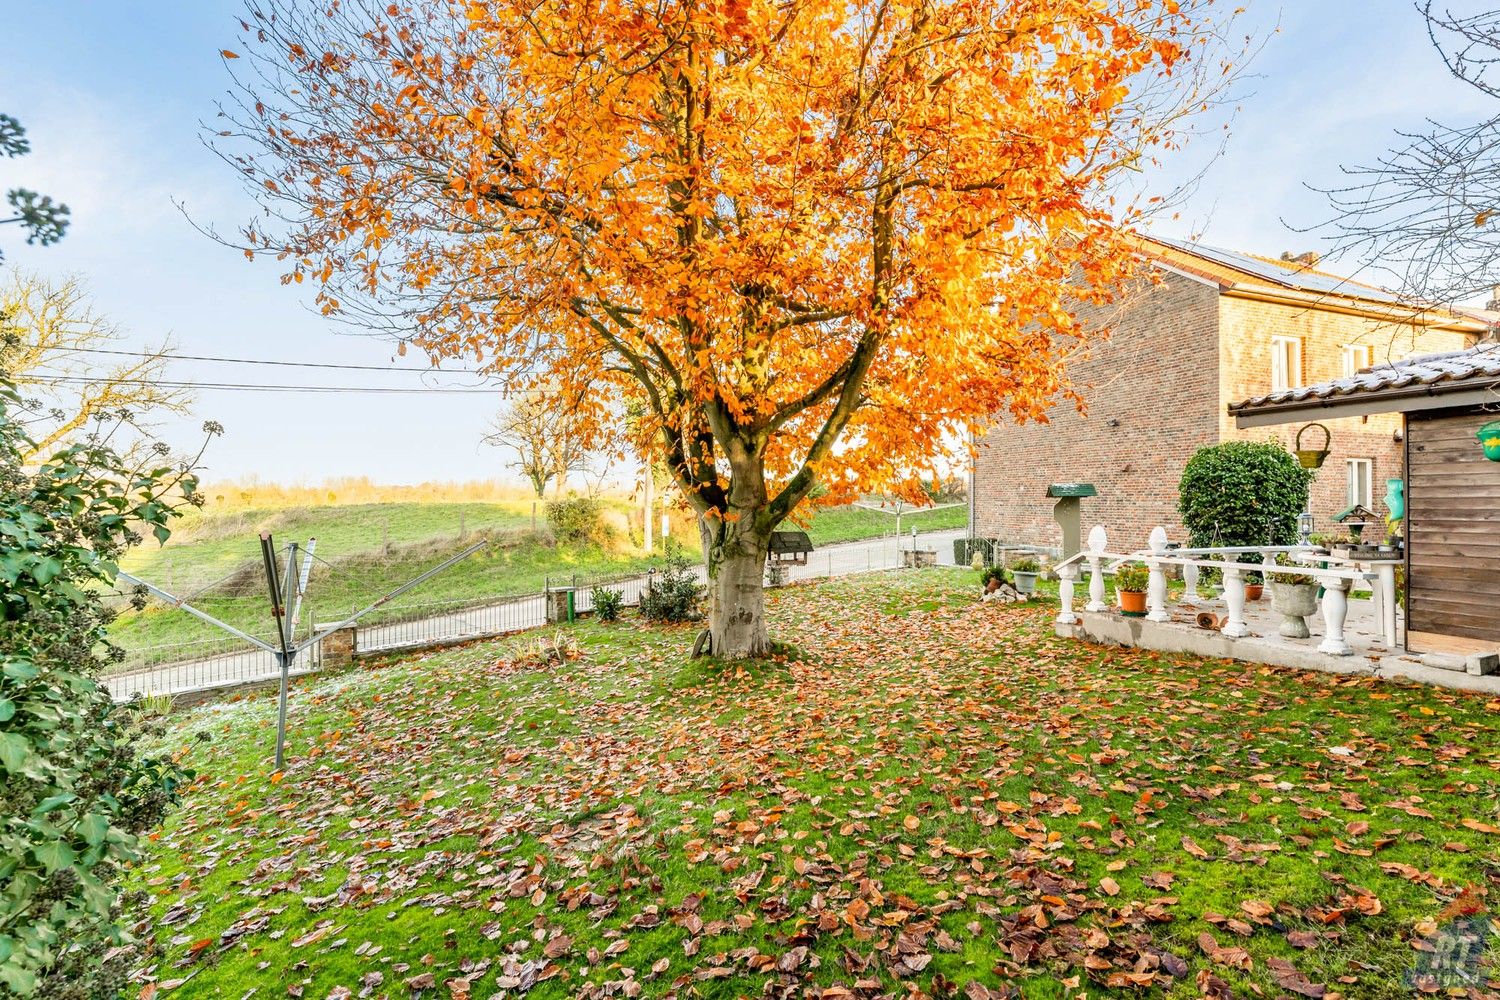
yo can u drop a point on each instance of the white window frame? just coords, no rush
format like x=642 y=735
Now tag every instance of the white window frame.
x=1357 y=356
x=1352 y=485
x=1286 y=363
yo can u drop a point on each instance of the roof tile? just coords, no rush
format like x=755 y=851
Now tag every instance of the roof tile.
x=1482 y=361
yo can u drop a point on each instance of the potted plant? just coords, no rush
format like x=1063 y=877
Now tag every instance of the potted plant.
x=1294 y=595
x=1394 y=541
x=1130 y=587
x=992 y=578
x=1254 y=586
x=1024 y=572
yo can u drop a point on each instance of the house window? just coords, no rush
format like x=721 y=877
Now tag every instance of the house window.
x=1286 y=363
x=1361 y=475
x=1356 y=356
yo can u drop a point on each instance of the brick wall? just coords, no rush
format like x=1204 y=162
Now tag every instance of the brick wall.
x=1177 y=355
x=1157 y=374
x=1246 y=328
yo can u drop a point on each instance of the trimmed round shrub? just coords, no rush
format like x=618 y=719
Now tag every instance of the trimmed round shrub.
x=1242 y=493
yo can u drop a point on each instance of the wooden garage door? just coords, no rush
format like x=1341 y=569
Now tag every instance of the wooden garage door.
x=1453 y=527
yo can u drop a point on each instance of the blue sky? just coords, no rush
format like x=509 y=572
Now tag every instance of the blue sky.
x=112 y=95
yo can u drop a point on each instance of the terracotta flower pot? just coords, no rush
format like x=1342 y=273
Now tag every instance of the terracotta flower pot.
x=1133 y=601
x=1253 y=591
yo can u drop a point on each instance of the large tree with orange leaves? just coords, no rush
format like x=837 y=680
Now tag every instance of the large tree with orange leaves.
x=817 y=241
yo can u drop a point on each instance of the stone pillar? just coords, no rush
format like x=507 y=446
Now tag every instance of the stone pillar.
x=339 y=647
x=560 y=605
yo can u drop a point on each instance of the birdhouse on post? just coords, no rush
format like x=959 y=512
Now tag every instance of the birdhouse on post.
x=1068 y=513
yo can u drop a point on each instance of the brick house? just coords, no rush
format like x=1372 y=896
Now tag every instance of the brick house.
x=1213 y=328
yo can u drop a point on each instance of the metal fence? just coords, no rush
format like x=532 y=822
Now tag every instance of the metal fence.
x=174 y=669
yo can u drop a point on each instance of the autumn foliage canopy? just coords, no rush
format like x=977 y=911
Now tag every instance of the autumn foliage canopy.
x=817 y=242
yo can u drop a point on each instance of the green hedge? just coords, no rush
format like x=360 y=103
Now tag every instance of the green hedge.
x=1242 y=493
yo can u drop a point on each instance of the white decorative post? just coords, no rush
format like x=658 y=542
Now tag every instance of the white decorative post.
x=1156 y=582
x=1234 y=598
x=1335 y=611
x=1065 y=577
x=1097 y=543
x=1386 y=593
x=1190 y=584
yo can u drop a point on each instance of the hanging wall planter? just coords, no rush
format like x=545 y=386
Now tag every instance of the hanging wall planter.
x=1312 y=458
x=1489 y=440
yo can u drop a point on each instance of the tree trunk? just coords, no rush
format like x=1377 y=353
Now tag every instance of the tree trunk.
x=737 y=597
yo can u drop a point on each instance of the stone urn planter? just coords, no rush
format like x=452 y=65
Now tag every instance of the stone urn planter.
x=1294 y=602
x=1025 y=582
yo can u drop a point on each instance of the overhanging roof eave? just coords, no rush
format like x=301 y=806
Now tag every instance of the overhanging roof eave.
x=1402 y=399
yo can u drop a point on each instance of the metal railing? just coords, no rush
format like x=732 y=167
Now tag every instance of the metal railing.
x=177 y=667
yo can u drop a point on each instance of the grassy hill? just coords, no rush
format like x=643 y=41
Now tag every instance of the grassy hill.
x=845 y=524
x=365 y=550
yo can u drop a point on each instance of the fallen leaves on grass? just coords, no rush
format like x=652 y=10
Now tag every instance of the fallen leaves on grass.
x=943 y=802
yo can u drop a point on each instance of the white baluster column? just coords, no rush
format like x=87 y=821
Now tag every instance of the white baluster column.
x=1066 y=575
x=1335 y=612
x=1386 y=590
x=1190 y=584
x=1156 y=581
x=1097 y=544
x=1234 y=599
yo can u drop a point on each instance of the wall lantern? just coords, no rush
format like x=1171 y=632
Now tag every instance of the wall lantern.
x=1312 y=458
x=1489 y=440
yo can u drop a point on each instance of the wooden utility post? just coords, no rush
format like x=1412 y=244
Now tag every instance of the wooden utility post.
x=649 y=485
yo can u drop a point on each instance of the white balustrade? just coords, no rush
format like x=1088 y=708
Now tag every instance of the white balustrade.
x=1385 y=598
x=1066 y=575
x=1336 y=580
x=1097 y=544
x=1156 y=582
x=1190 y=584
x=1234 y=599
x=1335 y=611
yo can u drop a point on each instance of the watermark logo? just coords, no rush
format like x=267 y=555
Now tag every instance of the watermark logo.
x=1457 y=956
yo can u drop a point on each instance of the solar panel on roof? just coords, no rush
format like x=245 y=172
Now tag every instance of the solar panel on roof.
x=1291 y=277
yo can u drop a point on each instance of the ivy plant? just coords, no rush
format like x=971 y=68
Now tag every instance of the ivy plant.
x=76 y=791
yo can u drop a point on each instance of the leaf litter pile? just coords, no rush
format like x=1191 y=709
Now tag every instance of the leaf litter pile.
x=921 y=796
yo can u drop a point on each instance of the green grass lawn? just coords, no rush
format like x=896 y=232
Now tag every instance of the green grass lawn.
x=844 y=524
x=923 y=796
x=213 y=559
x=366 y=550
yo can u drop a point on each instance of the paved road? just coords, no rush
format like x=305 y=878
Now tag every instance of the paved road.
x=487 y=620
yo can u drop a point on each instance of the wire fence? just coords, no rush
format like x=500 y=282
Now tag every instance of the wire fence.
x=189 y=667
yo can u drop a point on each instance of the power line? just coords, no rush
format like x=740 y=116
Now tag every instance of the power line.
x=266 y=361
x=258 y=387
